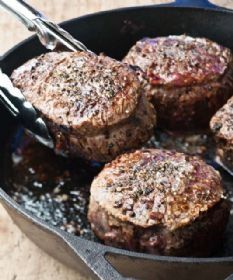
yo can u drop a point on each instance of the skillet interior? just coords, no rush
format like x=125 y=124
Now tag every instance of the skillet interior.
x=114 y=32
x=56 y=189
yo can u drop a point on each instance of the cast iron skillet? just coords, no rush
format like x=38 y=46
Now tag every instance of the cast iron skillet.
x=114 y=32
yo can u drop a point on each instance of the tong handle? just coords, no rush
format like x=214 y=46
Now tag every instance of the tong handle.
x=25 y=13
x=49 y=33
x=9 y=95
x=12 y=98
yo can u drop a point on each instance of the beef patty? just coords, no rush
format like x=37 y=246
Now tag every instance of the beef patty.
x=159 y=202
x=222 y=127
x=94 y=106
x=191 y=78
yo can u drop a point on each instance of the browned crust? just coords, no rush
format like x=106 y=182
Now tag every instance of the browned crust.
x=190 y=91
x=222 y=122
x=111 y=141
x=199 y=238
x=177 y=61
x=157 y=187
x=221 y=125
x=81 y=90
x=30 y=75
x=192 y=107
x=94 y=105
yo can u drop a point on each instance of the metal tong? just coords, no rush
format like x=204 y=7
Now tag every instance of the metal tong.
x=20 y=108
x=50 y=35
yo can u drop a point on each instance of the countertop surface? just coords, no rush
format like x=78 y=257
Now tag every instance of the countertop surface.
x=20 y=259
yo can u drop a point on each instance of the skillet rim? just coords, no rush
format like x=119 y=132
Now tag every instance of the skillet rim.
x=6 y=199
x=172 y=5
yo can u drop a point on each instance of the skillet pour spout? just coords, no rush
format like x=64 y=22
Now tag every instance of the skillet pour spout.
x=100 y=32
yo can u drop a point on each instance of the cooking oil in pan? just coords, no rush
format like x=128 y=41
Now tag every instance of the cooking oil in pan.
x=56 y=189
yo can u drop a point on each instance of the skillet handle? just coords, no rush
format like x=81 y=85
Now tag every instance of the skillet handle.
x=93 y=255
x=195 y=3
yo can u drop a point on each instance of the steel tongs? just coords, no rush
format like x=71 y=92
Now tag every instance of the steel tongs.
x=50 y=35
x=12 y=98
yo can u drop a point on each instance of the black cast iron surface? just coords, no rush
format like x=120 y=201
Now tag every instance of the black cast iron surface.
x=56 y=189
x=112 y=32
x=51 y=187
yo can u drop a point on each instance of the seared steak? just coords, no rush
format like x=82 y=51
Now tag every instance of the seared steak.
x=160 y=202
x=222 y=127
x=94 y=106
x=188 y=79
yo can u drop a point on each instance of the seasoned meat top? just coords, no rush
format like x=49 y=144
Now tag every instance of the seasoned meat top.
x=222 y=122
x=79 y=89
x=152 y=187
x=179 y=60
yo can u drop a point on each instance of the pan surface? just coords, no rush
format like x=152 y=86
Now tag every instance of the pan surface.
x=113 y=33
